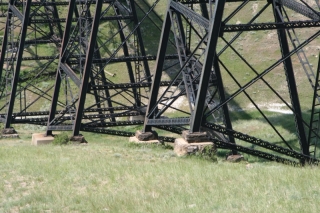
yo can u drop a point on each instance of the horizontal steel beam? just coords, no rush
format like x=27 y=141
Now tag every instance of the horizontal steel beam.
x=270 y=26
x=168 y=121
x=60 y=127
x=62 y=20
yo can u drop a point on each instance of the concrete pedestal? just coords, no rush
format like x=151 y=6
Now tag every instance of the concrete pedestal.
x=195 y=136
x=137 y=141
x=9 y=133
x=183 y=147
x=145 y=138
x=41 y=139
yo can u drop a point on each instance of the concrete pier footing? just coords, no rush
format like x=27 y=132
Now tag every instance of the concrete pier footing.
x=9 y=133
x=41 y=139
x=145 y=138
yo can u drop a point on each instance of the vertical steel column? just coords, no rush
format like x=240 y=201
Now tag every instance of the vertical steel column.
x=87 y=68
x=23 y=35
x=314 y=127
x=56 y=16
x=291 y=82
x=140 y=40
x=65 y=40
x=5 y=39
x=103 y=79
x=164 y=38
x=214 y=32
x=97 y=55
x=126 y=53
x=204 y=10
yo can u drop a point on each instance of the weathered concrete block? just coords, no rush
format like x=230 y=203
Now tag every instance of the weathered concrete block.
x=41 y=139
x=182 y=147
x=8 y=131
x=146 y=136
x=137 y=141
x=195 y=136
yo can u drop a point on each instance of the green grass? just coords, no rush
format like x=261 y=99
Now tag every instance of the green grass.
x=109 y=175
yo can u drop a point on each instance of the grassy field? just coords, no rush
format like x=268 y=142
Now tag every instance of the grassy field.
x=110 y=175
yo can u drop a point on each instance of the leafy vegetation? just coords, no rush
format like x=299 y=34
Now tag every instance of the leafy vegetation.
x=61 y=139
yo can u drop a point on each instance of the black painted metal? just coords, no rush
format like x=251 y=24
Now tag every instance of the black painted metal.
x=284 y=46
x=152 y=108
x=128 y=63
x=210 y=54
x=87 y=69
x=226 y=114
x=4 y=43
x=58 y=79
x=313 y=135
x=16 y=70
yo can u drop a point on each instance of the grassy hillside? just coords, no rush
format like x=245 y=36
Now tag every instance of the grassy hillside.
x=109 y=175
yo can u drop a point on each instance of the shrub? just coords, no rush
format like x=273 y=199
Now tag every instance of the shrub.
x=61 y=139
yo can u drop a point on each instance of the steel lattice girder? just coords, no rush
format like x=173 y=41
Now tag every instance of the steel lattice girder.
x=289 y=46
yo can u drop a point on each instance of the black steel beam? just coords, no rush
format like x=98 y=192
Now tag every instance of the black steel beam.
x=222 y=97
x=271 y=26
x=284 y=46
x=299 y=8
x=65 y=40
x=214 y=32
x=164 y=38
x=87 y=69
x=55 y=15
x=128 y=63
x=16 y=12
x=5 y=41
x=140 y=41
x=23 y=35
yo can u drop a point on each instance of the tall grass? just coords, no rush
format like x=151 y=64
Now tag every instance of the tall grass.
x=108 y=175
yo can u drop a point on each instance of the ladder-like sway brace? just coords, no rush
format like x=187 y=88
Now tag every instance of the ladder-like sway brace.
x=62 y=59
x=182 y=52
x=24 y=18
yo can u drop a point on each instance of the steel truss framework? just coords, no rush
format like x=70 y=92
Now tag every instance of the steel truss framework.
x=97 y=54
